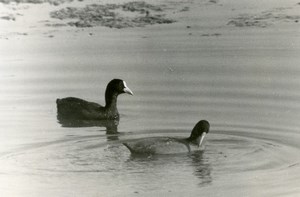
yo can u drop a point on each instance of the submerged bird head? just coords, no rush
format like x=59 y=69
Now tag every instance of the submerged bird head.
x=199 y=131
x=118 y=86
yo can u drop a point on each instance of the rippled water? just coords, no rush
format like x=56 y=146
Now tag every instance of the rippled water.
x=245 y=83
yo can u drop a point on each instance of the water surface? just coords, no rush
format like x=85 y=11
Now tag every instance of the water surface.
x=246 y=83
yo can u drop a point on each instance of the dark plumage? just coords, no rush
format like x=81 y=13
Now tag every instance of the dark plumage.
x=76 y=108
x=170 y=145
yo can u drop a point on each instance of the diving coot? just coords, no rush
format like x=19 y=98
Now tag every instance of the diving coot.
x=76 y=108
x=170 y=145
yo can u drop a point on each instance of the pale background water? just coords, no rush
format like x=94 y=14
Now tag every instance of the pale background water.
x=245 y=82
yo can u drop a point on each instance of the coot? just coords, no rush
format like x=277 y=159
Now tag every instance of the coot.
x=76 y=108
x=170 y=145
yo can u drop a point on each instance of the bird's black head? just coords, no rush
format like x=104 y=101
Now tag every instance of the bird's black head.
x=199 y=131
x=119 y=86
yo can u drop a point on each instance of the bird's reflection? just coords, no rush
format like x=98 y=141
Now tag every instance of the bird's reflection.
x=197 y=160
x=202 y=167
x=110 y=125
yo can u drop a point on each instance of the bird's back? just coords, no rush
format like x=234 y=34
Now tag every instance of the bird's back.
x=72 y=107
x=158 y=145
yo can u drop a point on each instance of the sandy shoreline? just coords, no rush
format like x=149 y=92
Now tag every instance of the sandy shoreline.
x=43 y=17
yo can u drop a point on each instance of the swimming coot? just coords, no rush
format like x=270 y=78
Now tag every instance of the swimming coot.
x=76 y=108
x=170 y=145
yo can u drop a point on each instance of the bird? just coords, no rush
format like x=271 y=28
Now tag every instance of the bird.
x=79 y=109
x=170 y=145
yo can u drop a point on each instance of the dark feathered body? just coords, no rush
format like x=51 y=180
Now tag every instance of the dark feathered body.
x=160 y=145
x=76 y=108
x=170 y=145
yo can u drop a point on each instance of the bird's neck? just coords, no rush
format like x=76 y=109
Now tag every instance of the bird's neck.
x=111 y=102
x=191 y=140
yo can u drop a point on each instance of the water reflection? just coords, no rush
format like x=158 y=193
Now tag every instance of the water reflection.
x=110 y=125
x=202 y=168
x=197 y=160
x=112 y=136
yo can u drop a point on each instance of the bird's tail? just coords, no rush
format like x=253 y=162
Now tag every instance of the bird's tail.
x=57 y=101
x=127 y=145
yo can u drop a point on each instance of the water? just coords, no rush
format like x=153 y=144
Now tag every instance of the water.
x=245 y=83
